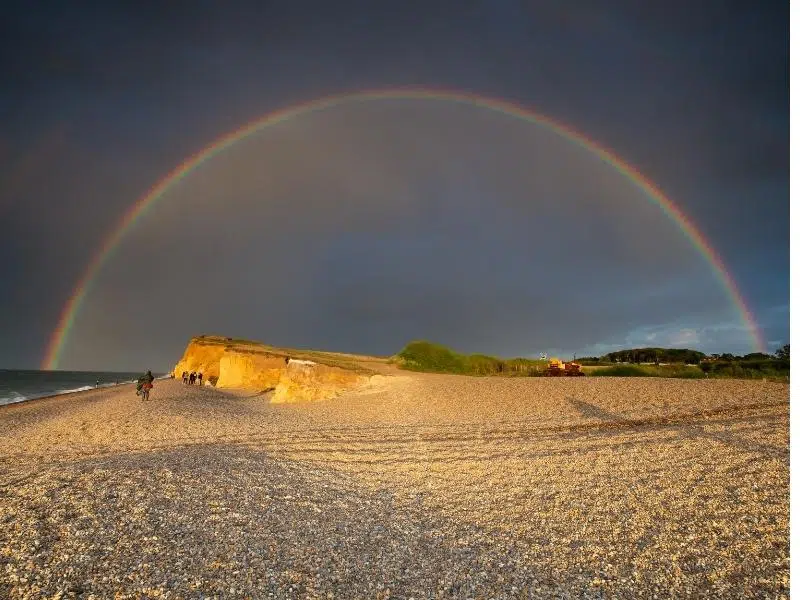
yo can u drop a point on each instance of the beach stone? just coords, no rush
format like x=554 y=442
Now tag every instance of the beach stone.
x=417 y=485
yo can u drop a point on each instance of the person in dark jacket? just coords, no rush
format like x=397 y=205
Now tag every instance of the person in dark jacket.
x=147 y=378
x=199 y=379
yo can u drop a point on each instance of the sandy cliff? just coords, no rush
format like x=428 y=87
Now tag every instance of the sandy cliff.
x=201 y=355
x=237 y=364
x=307 y=380
x=250 y=370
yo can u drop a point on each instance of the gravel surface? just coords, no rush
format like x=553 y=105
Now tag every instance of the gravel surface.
x=423 y=486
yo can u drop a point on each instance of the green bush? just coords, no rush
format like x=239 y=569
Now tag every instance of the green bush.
x=421 y=355
x=680 y=372
x=480 y=364
x=748 y=369
x=622 y=371
x=523 y=367
x=684 y=373
x=732 y=369
x=650 y=355
x=427 y=356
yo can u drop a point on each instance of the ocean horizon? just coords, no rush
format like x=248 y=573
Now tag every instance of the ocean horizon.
x=20 y=385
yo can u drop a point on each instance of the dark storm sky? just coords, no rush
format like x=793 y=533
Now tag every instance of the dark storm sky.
x=365 y=226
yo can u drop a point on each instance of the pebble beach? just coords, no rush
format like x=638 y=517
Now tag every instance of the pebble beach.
x=416 y=486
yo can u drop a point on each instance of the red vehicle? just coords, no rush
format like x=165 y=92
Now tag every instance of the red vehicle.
x=558 y=368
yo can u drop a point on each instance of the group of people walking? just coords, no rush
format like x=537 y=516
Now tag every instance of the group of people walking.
x=145 y=382
x=192 y=378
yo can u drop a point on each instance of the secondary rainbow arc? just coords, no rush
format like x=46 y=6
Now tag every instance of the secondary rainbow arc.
x=71 y=309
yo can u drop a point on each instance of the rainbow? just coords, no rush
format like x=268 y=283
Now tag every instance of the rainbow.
x=70 y=311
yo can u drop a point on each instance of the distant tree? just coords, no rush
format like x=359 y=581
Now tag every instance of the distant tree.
x=693 y=357
x=783 y=352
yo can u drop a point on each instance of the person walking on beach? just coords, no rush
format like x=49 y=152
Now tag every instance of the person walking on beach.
x=185 y=377
x=144 y=380
x=199 y=379
x=192 y=377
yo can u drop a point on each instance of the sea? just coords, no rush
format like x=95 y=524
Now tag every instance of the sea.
x=19 y=386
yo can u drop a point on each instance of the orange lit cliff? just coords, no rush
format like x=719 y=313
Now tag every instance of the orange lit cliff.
x=293 y=375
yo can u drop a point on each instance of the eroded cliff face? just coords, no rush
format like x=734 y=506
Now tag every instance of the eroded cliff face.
x=201 y=356
x=235 y=364
x=305 y=380
x=249 y=370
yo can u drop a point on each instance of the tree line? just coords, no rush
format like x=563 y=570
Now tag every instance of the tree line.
x=681 y=355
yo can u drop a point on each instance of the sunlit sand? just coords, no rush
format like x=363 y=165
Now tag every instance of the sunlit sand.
x=418 y=485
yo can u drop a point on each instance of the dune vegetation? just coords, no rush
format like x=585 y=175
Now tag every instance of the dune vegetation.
x=427 y=356
x=680 y=371
x=421 y=355
x=772 y=368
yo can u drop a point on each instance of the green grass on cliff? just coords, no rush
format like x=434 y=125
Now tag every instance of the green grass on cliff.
x=214 y=340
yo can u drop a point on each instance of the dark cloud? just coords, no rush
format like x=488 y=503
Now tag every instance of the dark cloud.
x=361 y=227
